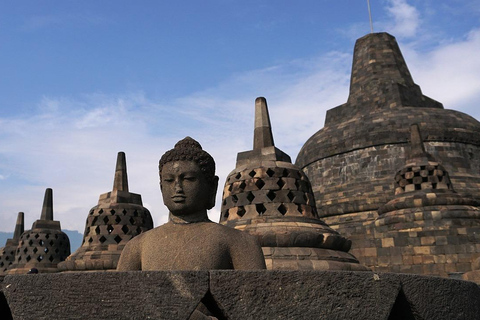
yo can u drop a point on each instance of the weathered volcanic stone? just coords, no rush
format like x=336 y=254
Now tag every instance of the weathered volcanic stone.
x=238 y=295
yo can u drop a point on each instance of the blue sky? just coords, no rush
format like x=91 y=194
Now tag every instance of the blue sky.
x=82 y=80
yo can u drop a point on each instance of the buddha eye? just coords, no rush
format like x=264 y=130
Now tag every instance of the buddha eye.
x=168 y=179
x=190 y=178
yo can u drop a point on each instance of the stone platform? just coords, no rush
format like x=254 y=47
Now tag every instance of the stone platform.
x=237 y=295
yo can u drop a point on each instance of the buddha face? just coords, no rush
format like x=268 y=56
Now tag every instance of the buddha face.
x=184 y=188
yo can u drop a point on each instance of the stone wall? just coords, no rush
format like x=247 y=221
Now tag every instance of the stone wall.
x=238 y=295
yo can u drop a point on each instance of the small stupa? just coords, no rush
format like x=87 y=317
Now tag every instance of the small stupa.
x=42 y=247
x=424 y=191
x=427 y=225
x=7 y=253
x=271 y=198
x=118 y=217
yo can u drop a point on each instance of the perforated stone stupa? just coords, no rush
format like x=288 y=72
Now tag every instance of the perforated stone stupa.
x=44 y=246
x=269 y=197
x=7 y=253
x=118 y=217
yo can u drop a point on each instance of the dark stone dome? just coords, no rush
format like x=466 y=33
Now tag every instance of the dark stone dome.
x=351 y=160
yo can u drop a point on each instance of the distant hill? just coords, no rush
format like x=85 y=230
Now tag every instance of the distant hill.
x=74 y=236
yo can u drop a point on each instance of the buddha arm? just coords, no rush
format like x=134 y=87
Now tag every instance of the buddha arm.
x=131 y=256
x=246 y=253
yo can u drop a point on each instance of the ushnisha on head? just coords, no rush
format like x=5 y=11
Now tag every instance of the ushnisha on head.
x=187 y=178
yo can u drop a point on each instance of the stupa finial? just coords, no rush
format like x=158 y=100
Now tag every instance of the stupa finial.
x=120 y=183
x=416 y=141
x=20 y=226
x=47 y=209
x=262 y=135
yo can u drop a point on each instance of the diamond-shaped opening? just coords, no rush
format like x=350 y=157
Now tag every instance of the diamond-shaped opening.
x=125 y=229
x=41 y=242
x=102 y=239
x=105 y=219
x=271 y=195
x=242 y=185
x=35 y=250
x=91 y=212
x=225 y=214
x=45 y=250
x=290 y=196
x=19 y=258
x=97 y=230
x=138 y=230
x=52 y=243
x=285 y=172
x=40 y=258
x=297 y=184
x=135 y=213
x=260 y=208
x=252 y=173
x=280 y=183
x=270 y=172
x=28 y=236
x=118 y=219
x=132 y=221
x=28 y=258
x=37 y=235
x=112 y=212
x=47 y=236
x=90 y=240
x=51 y=258
x=25 y=250
x=117 y=239
x=30 y=242
x=109 y=228
x=234 y=198
x=100 y=211
x=94 y=220
x=56 y=236
x=238 y=176
x=250 y=196
x=230 y=187
x=124 y=211
x=259 y=183
x=241 y=211
x=224 y=202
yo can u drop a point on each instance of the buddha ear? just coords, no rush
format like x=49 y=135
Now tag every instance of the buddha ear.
x=213 y=194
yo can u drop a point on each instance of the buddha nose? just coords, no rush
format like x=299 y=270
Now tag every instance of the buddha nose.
x=178 y=186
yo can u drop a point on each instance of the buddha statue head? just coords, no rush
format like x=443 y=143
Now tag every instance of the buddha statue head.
x=187 y=179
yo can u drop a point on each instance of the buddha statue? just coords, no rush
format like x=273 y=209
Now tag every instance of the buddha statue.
x=189 y=240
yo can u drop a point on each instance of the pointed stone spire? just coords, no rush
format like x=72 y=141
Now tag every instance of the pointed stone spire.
x=262 y=135
x=120 y=183
x=417 y=154
x=47 y=209
x=263 y=146
x=20 y=226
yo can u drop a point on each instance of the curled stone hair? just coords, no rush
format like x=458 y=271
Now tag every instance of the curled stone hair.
x=189 y=149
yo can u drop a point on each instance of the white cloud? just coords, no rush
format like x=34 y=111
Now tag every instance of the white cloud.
x=450 y=73
x=405 y=19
